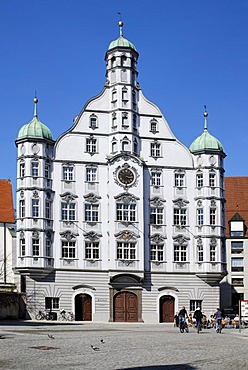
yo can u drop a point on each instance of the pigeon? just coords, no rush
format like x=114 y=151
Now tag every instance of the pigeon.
x=51 y=336
x=102 y=341
x=94 y=348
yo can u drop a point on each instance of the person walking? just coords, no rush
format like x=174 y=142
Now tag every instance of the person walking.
x=218 y=319
x=198 y=319
x=182 y=320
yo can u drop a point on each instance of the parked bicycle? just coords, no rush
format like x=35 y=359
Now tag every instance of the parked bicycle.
x=44 y=315
x=66 y=316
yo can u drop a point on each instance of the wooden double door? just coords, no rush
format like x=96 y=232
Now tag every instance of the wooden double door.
x=167 y=308
x=125 y=307
x=83 y=307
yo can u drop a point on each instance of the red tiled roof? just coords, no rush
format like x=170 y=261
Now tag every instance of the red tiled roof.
x=236 y=190
x=6 y=202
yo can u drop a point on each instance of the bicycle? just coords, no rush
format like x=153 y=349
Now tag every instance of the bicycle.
x=66 y=316
x=183 y=326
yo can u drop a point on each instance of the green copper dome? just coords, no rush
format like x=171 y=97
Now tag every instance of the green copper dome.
x=206 y=141
x=121 y=42
x=35 y=129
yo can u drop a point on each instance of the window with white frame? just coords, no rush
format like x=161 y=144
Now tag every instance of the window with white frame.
x=92 y=250
x=125 y=145
x=199 y=180
x=200 y=216
x=155 y=150
x=157 y=252
x=135 y=146
x=237 y=264
x=124 y=95
x=123 y=60
x=156 y=178
x=22 y=169
x=237 y=247
x=212 y=179
x=68 y=173
x=68 y=249
x=47 y=170
x=124 y=118
x=200 y=253
x=35 y=207
x=180 y=253
x=68 y=211
x=48 y=209
x=48 y=248
x=35 y=169
x=179 y=180
x=22 y=208
x=114 y=124
x=157 y=216
x=114 y=95
x=91 y=212
x=180 y=216
x=22 y=247
x=35 y=247
x=212 y=216
x=126 y=250
x=153 y=125
x=51 y=303
x=194 y=304
x=91 y=145
x=114 y=146
x=91 y=174
x=212 y=253
x=134 y=122
x=93 y=121
x=126 y=212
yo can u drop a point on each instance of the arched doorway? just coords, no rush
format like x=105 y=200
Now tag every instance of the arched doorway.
x=167 y=308
x=83 y=307
x=125 y=307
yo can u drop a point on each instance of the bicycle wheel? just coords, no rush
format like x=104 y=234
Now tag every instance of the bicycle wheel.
x=38 y=317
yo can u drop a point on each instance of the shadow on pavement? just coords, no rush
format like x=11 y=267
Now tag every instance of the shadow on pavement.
x=31 y=323
x=162 y=367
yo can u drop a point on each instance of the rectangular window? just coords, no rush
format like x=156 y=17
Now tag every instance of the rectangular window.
x=156 y=217
x=68 y=249
x=36 y=247
x=126 y=251
x=93 y=122
x=157 y=252
x=200 y=217
x=200 y=253
x=156 y=178
x=47 y=171
x=48 y=248
x=179 y=180
x=35 y=207
x=212 y=253
x=92 y=250
x=22 y=247
x=124 y=119
x=22 y=169
x=91 y=213
x=199 y=180
x=35 y=169
x=155 y=150
x=91 y=173
x=180 y=253
x=51 y=303
x=68 y=211
x=194 y=304
x=22 y=208
x=237 y=247
x=238 y=281
x=212 y=178
x=153 y=126
x=135 y=122
x=237 y=264
x=125 y=212
x=48 y=209
x=180 y=215
x=212 y=216
x=68 y=173
x=91 y=145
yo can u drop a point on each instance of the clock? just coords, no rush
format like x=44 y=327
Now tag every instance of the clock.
x=126 y=176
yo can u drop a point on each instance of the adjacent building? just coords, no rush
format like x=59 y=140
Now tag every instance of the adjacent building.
x=7 y=238
x=235 y=285
x=117 y=220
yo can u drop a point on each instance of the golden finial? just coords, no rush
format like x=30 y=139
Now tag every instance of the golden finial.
x=120 y=23
x=205 y=112
x=36 y=100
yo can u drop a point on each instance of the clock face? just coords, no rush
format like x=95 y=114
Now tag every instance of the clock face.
x=126 y=176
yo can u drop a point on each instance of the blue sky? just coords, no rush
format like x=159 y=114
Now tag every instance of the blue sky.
x=192 y=53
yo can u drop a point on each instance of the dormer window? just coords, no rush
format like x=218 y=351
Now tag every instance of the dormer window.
x=93 y=121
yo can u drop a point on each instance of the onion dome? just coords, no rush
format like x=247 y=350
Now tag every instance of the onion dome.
x=121 y=42
x=206 y=142
x=35 y=129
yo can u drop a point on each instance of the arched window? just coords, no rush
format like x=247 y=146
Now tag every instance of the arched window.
x=113 y=62
x=93 y=121
x=123 y=60
x=154 y=125
x=114 y=145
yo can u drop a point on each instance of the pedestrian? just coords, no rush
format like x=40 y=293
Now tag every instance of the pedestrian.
x=198 y=319
x=218 y=319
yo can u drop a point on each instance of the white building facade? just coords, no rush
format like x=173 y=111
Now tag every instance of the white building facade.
x=117 y=220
